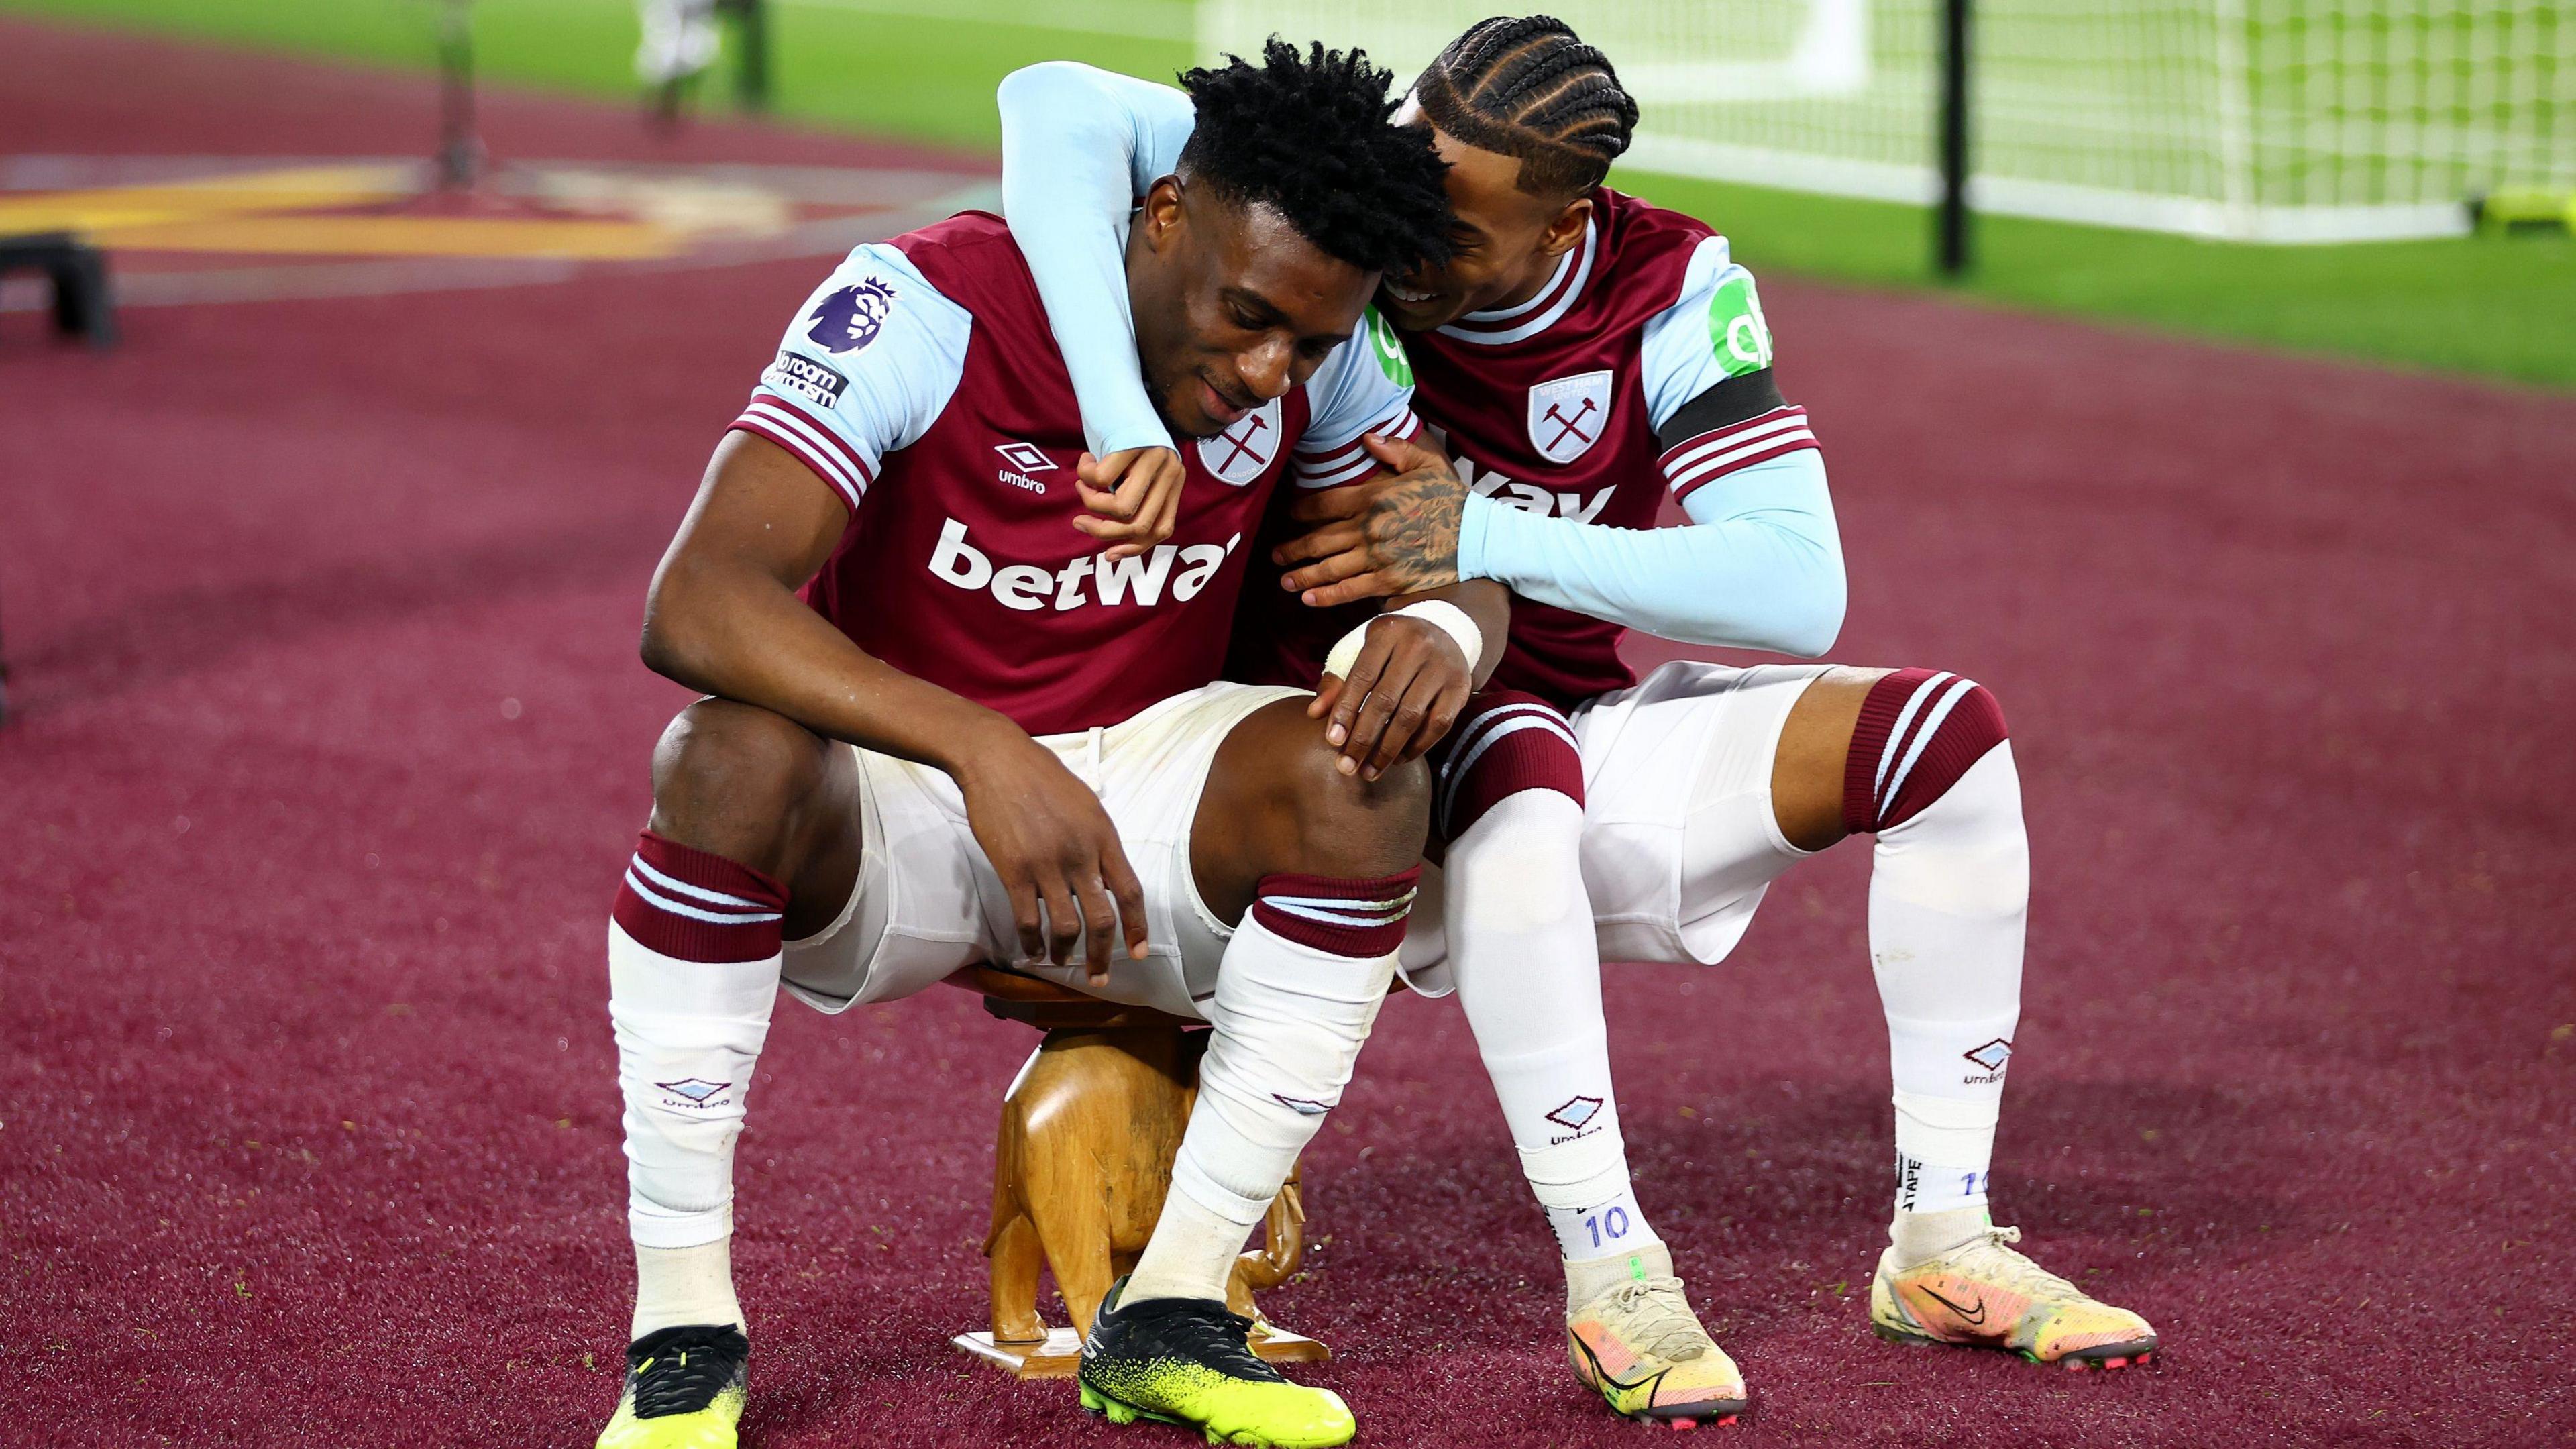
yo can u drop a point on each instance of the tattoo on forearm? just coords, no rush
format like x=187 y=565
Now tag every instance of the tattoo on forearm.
x=1413 y=527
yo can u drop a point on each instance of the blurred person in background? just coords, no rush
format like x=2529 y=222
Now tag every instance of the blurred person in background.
x=680 y=42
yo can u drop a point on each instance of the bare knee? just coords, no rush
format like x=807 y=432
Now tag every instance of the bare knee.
x=738 y=781
x=1351 y=828
x=1276 y=805
x=1809 y=765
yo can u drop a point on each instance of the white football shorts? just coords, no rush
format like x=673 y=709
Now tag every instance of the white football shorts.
x=928 y=903
x=1679 y=836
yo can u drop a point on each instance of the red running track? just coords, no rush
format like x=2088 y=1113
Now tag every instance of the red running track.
x=333 y=739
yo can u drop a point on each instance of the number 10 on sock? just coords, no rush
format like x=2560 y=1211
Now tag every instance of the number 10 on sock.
x=1608 y=1227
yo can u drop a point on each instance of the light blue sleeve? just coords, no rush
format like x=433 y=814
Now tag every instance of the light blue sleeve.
x=1716 y=330
x=866 y=367
x=1759 y=566
x=1365 y=387
x=1079 y=146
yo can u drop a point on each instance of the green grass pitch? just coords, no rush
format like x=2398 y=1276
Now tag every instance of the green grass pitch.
x=925 y=69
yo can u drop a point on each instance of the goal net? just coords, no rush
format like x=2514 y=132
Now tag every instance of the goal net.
x=2254 y=120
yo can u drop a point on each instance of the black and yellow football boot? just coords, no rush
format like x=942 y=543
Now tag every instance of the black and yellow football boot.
x=684 y=1390
x=1187 y=1361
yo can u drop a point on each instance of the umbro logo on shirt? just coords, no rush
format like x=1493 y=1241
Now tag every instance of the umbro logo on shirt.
x=1024 y=458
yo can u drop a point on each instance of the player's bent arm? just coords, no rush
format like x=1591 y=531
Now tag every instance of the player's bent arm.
x=1079 y=145
x=1759 y=566
x=723 y=618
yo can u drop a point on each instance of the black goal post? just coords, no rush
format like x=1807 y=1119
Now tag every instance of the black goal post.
x=751 y=63
x=1951 y=245
x=460 y=145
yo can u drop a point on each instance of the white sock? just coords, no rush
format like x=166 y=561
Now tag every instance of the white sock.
x=1948 y=894
x=684 y=1285
x=1921 y=1237
x=1191 y=1253
x=689 y=1035
x=1294 y=1001
x=693 y=964
x=1523 y=952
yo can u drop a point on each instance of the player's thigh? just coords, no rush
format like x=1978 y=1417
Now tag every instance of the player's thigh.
x=1681 y=835
x=917 y=908
x=1154 y=774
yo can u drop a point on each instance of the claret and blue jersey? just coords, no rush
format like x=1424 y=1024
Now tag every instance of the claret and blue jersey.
x=1640 y=371
x=920 y=383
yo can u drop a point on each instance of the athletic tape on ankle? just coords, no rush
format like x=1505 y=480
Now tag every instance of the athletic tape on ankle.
x=1941 y=1129
x=1579 y=1173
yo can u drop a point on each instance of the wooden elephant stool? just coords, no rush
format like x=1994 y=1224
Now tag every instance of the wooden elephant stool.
x=1080 y=1166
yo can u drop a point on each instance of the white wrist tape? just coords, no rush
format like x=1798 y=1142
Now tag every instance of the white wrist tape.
x=1441 y=614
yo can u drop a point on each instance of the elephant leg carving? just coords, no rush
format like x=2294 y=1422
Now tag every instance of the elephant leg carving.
x=1075 y=1228
x=1016 y=1258
x=1011 y=1249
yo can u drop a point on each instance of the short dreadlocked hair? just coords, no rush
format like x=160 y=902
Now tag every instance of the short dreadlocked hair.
x=1527 y=86
x=1307 y=135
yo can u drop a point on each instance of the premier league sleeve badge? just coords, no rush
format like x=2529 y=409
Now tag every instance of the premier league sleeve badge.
x=850 y=318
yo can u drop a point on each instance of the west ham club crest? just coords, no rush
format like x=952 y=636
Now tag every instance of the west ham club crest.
x=1243 y=452
x=1567 y=415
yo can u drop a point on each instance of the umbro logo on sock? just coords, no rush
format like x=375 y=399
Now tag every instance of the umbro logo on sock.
x=1576 y=1112
x=1992 y=1057
x=694 y=1090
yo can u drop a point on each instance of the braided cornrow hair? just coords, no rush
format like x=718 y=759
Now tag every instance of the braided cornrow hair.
x=1527 y=86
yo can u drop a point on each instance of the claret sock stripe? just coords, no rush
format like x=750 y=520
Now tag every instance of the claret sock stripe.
x=1919 y=731
x=1357 y=918
x=1712 y=455
x=689 y=904
x=1505 y=743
